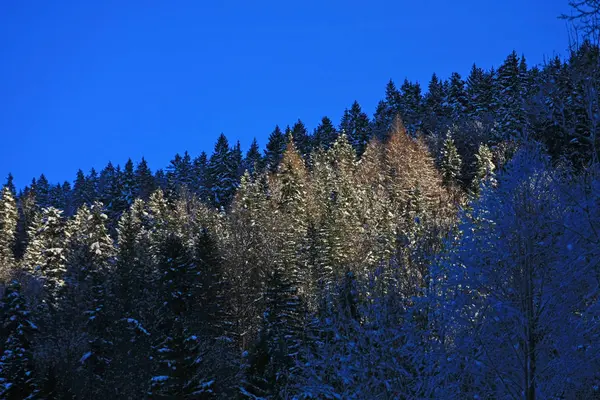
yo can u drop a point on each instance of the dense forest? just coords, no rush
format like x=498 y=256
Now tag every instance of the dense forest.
x=446 y=247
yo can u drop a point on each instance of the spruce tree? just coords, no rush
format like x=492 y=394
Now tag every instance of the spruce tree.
x=479 y=92
x=386 y=110
x=212 y=286
x=457 y=97
x=180 y=174
x=42 y=191
x=253 y=162
x=355 y=124
x=11 y=185
x=435 y=96
x=337 y=233
x=221 y=172
x=161 y=179
x=28 y=212
x=434 y=100
x=274 y=150
x=128 y=185
x=114 y=193
x=411 y=105
x=381 y=120
x=484 y=168
x=108 y=186
x=301 y=138
x=91 y=183
x=144 y=181
x=283 y=317
x=56 y=197
x=91 y=259
x=177 y=357
x=68 y=198
x=133 y=268
x=79 y=191
x=393 y=98
x=201 y=183
x=249 y=253
x=508 y=99
x=17 y=376
x=45 y=256
x=159 y=223
x=451 y=162
x=324 y=134
x=237 y=162
x=134 y=283
x=8 y=232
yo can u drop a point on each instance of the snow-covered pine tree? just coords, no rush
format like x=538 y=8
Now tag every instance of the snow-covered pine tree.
x=215 y=314
x=159 y=222
x=91 y=259
x=112 y=190
x=179 y=174
x=508 y=102
x=134 y=302
x=273 y=356
x=248 y=252
x=11 y=184
x=133 y=269
x=213 y=317
x=338 y=238
x=484 y=168
x=177 y=356
x=222 y=173
x=8 y=233
x=479 y=92
x=17 y=376
x=28 y=212
x=450 y=162
x=457 y=97
x=128 y=185
x=374 y=207
x=45 y=256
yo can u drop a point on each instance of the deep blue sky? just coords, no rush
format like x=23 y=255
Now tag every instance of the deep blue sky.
x=85 y=82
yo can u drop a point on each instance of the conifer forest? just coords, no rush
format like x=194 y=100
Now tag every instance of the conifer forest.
x=446 y=247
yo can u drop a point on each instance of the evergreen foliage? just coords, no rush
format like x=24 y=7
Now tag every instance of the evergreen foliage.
x=446 y=248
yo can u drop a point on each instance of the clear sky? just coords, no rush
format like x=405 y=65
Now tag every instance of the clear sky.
x=85 y=82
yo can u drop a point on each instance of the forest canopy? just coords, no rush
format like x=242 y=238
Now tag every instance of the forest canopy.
x=447 y=246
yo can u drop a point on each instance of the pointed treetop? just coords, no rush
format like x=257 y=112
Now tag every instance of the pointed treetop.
x=275 y=148
x=10 y=184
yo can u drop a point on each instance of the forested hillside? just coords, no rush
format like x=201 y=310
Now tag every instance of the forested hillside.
x=446 y=247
